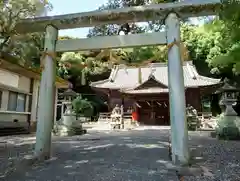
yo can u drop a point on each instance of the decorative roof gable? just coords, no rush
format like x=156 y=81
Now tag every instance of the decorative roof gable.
x=150 y=83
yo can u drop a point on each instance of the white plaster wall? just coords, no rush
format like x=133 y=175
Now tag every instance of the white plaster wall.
x=20 y=84
x=35 y=95
x=24 y=83
x=4 y=104
x=8 y=78
x=7 y=119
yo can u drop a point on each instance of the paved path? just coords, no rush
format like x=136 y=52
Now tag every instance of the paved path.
x=139 y=155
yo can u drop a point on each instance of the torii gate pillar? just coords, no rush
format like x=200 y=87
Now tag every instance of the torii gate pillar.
x=46 y=96
x=179 y=134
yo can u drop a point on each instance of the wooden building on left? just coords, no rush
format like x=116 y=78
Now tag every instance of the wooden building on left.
x=19 y=92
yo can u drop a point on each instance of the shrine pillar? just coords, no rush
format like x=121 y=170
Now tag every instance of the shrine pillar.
x=46 y=95
x=179 y=133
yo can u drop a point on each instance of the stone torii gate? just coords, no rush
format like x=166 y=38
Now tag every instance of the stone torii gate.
x=168 y=12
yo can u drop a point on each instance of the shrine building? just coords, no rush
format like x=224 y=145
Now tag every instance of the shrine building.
x=146 y=90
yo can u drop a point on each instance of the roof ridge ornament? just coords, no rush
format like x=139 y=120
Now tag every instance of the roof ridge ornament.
x=116 y=68
x=151 y=76
x=153 y=69
x=111 y=77
x=189 y=68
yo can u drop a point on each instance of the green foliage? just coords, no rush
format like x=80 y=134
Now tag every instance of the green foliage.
x=211 y=43
x=141 y=54
x=82 y=107
x=214 y=45
x=28 y=49
x=25 y=47
x=219 y=48
x=80 y=62
x=228 y=127
x=226 y=52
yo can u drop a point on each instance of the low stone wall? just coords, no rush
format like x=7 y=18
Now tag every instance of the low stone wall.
x=13 y=119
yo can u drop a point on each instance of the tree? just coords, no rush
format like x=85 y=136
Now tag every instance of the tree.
x=112 y=29
x=78 y=66
x=23 y=46
x=216 y=44
x=106 y=30
x=228 y=27
x=109 y=55
x=198 y=43
x=130 y=55
x=82 y=107
x=213 y=46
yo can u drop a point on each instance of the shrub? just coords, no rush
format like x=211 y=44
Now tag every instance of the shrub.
x=227 y=128
x=82 y=107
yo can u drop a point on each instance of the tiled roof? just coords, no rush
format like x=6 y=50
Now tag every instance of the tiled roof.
x=123 y=77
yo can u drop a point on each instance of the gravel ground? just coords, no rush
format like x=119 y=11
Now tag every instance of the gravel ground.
x=12 y=148
x=137 y=155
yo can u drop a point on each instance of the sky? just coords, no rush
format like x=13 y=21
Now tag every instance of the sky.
x=74 y=6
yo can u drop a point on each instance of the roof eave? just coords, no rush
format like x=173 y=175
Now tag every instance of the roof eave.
x=98 y=82
x=12 y=66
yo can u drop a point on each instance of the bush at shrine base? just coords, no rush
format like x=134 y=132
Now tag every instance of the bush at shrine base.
x=228 y=127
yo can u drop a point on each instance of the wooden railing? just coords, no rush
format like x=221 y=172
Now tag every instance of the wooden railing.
x=106 y=116
x=204 y=115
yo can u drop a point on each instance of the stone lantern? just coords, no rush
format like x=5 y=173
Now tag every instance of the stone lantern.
x=68 y=125
x=229 y=95
x=69 y=117
x=228 y=123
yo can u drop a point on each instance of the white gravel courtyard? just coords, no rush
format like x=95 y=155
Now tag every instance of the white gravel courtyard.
x=137 y=155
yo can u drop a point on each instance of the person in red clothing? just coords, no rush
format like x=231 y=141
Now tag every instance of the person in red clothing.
x=135 y=117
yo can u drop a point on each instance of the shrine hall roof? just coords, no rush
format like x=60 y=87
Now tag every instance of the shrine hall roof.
x=126 y=78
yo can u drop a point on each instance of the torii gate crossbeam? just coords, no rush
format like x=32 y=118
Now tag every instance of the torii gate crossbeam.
x=185 y=9
x=112 y=42
x=169 y=12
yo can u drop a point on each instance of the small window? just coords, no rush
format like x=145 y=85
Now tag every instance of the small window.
x=21 y=102
x=16 y=102
x=12 y=101
x=0 y=98
x=206 y=104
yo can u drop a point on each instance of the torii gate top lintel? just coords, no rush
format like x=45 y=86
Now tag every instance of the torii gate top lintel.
x=188 y=8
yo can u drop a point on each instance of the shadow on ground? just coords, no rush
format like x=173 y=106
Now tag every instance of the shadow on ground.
x=12 y=148
x=131 y=156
